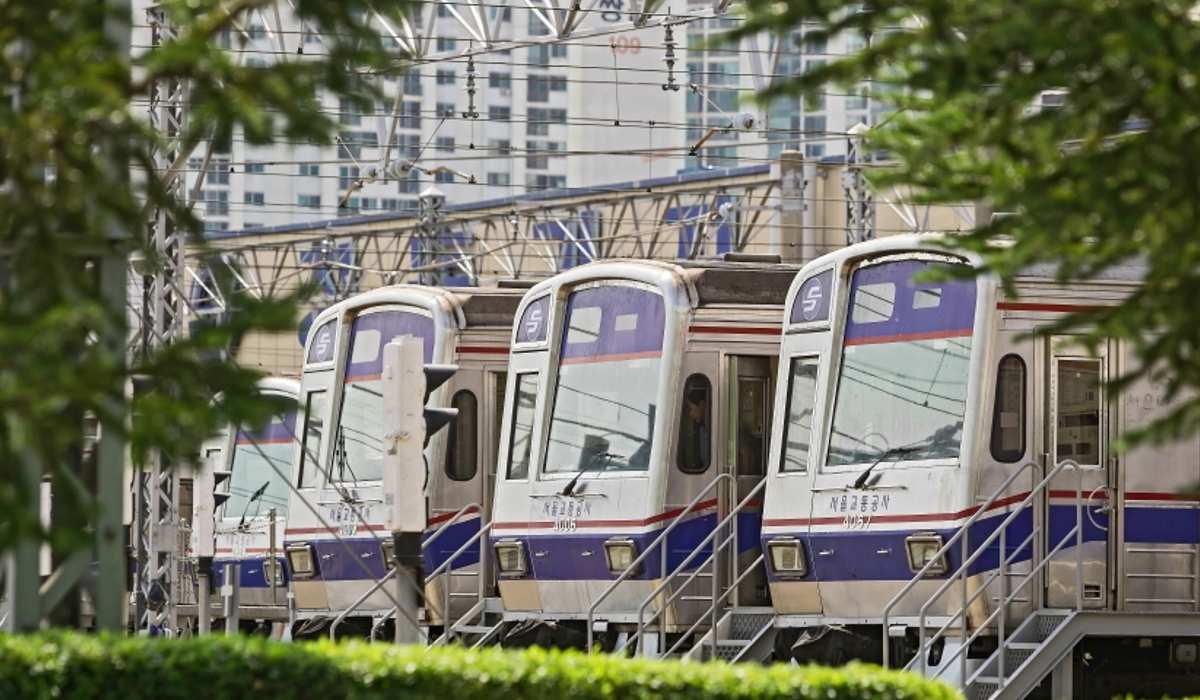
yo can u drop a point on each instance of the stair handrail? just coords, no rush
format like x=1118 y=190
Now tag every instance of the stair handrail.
x=448 y=627
x=964 y=528
x=337 y=621
x=465 y=510
x=961 y=573
x=637 y=562
x=668 y=579
x=998 y=533
x=717 y=601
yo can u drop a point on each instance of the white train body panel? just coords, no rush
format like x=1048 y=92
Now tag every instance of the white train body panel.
x=337 y=513
x=961 y=375
x=603 y=356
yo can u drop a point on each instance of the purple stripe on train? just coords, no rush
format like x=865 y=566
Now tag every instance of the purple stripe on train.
x=886 y=304
x=250 y=573
x=367 y=360
x=614 y=320
x=579 y=556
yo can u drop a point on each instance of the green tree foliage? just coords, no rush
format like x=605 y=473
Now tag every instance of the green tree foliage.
x=73 y=124
x=1109 y=177
x=68 y=666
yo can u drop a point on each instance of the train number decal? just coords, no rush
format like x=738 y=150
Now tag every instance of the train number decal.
x=564 y=512
x=856 y=521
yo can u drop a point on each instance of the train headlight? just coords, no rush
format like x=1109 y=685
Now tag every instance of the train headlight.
x=923 y=549
x=301 y=560
x=787 y=557
x=619 y=552
x=388 y=549
x=510 y=557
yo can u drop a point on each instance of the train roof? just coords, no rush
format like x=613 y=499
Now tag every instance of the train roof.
x=471 y=306
x=745 y=281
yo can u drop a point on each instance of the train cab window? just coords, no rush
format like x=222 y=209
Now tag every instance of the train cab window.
x=520 y=443
x=1008 y=416
x=310 y=448
x=1077 y=434
x=752 y=415
x=694 y=452
x=797 y=430
x=461 y=453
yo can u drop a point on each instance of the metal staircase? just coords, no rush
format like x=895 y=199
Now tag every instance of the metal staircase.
x=477 y=627
x=1024 y=657
x=742 y=634
x=721 y=629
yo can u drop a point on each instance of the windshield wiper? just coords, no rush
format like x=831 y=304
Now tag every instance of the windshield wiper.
x=253 y=497
x=890 y=453
x=569 y=489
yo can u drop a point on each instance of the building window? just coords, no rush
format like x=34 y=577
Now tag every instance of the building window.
x=349 y=113
x=310 y=169
x=218 y=172
x=446 y=43
x=445 y=109
x=410 y=184
x=558 y=51
x=312 y=201
x=539 y=56
x=502 y=147
x=445 y=144
x=389 y=204
x=538 y=88
x=412 y=83
x=368 y=203
x=255 y=198
x=445 y=77
x=499 y=179
x=499 y=114
x=537 y=122
x=500 y=81
x=214 y=226
x=216 y=202
x=443 y=177
x=410 y=115
x=254 y=167
x=536 y=26
x=346 y=177
x=535 y=156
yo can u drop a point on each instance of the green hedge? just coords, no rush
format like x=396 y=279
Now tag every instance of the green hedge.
x=67 y=666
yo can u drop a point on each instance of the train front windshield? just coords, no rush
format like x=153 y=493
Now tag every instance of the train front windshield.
x=902 y=389
x=610 y=368
x=358 y=450
x=261 y=466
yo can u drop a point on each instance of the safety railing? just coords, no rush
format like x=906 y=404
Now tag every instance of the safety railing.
x=1034 y=541
x=660 y=543
x=674 y=589
x=391 y=573
x=447 y=566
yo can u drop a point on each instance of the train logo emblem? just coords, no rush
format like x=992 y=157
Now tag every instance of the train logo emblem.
x=811 y=302
x=533 y=322
x=323 y=345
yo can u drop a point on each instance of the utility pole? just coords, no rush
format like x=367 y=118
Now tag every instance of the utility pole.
x=860 y=204
x=156 y=518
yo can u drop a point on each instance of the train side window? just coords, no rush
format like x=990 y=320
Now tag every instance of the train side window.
x=752 y=416
x=310 y=448
x=461 y=453
x=694 y=452
x=797 y=429
x=1008 y=416
x=520 y=442
x=499 y=383
x=1078 y=407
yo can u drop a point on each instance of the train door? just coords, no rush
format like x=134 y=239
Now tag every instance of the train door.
x=747 y=438
x=1077 y=427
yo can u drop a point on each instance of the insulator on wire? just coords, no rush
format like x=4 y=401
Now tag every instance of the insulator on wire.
x=669 y=43
x=471 y=112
